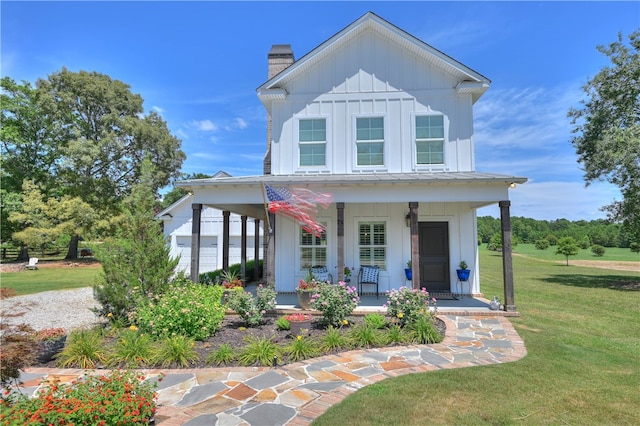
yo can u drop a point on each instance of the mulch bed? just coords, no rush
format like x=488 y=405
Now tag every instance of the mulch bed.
x=234 y=333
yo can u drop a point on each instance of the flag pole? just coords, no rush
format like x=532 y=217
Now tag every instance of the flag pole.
x=266 y=206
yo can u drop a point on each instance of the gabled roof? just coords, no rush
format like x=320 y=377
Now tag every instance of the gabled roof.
x=470 y=80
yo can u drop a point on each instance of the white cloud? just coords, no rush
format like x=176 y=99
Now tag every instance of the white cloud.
x=204 y=125
x=182 y=134
x=241 y=123
x=157 y=109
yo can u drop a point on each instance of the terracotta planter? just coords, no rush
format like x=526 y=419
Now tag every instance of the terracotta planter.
x=47 y=349
x=304 y=299
x=300 y=328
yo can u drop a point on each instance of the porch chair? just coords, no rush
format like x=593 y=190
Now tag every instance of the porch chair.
x=368 y=275
x=33 y=263
x=320 y=273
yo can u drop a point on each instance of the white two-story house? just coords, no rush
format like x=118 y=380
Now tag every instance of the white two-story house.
x=383 y=123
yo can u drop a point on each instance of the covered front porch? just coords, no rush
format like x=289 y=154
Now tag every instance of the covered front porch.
x=448 y=304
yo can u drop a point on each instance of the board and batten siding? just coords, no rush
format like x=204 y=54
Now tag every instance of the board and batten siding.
x=369 y=77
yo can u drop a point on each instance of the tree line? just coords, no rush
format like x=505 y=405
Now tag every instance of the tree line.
x=529 y=231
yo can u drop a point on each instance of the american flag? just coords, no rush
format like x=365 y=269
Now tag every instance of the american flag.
x=299 y=204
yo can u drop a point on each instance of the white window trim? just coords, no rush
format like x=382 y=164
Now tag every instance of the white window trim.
x=300 y=247
x=386 y=235
x=385 y=144
x=327 y=145
x=414 y=148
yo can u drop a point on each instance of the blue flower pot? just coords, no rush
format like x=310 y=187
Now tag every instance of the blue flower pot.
x=408 y=273
x=463 y=274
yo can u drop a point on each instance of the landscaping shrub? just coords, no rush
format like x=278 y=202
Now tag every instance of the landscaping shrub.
x=18 y=350
x=260 y=351
x=133 y=349
x=223 y=355
x=216 y=276
x=84 y=349
x=363 y=335
x=188 y=309
x=137 y=264
x=176 y=351
x=597 y=250
x=301 y=348
x=336 y=302
x=375 y=320
x=405 y=305
x=119 y=397
x=424 y=331
x=252 y=309
x=542 y=244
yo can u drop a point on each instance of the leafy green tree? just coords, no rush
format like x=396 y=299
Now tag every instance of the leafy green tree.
x=542 y=244
x=111 y=136
x=31 y=139
x=35 y=219
x=137 y=264
x=9 y=202
x=597 y=250
x=607 y=129
x=567 y=246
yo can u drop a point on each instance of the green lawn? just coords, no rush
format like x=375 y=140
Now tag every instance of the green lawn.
x=611 y=254
x=580 y=329
x=48 y=278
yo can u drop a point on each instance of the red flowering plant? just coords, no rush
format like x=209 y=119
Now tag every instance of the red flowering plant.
x=119 y=398
x=307 y=284
x=298 y=317
x=230 y=280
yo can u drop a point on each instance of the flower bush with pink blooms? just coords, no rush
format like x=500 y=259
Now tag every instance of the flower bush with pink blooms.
x=336 y=302
x=405 y=305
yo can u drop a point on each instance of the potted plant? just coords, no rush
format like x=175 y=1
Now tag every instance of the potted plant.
x=347 y=274
x=299 y=323
x=463 y=272
x=408 y=271
x=306 y=288
x=50 y=341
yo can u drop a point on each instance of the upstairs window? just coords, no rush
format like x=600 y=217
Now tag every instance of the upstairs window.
x=313 y=250
x=372 y=244
x=370 y=141
x=313 y=142
x=430 y=139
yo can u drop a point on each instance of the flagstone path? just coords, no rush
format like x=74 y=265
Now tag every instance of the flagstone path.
x=295 y=394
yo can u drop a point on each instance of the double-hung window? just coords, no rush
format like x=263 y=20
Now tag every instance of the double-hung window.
x=370 y=141
x=313 y=142
x=372 y=244
x=429 y=139
x=313 y=250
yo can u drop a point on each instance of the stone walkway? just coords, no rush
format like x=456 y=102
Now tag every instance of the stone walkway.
x=295 y=394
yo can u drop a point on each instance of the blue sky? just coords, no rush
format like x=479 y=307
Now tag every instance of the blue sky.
x=198 y=64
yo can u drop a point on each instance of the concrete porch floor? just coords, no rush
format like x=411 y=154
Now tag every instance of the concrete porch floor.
x=462 y=305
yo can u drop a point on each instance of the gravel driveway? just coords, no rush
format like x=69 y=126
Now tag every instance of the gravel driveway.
x=68 y=309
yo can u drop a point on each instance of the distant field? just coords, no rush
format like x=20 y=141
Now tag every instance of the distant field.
x=51 y=276
x=610 y=254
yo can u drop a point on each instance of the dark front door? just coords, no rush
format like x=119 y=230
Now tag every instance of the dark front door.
x=434 y=256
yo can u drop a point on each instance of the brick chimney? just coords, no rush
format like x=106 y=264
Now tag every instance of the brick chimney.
x=280 y=57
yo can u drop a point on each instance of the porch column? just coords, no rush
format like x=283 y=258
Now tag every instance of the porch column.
x=256 y=249
x=340 y=211
x=225 y=239
x=195 y=242
x=415 y=246
x=243 y=247
x=507 y=264
x=270 y=260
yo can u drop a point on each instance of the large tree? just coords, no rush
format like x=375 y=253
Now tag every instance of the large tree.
x=82 y=135
x=607 y=129
x=31 y=137
x=110 y=137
